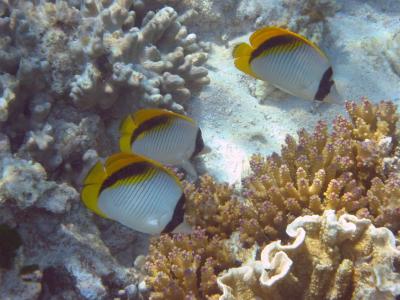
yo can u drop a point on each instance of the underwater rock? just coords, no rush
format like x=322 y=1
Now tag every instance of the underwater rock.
x=329 y=258
x=25 y=185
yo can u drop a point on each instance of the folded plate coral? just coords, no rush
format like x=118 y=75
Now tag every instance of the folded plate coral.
x=330 y=258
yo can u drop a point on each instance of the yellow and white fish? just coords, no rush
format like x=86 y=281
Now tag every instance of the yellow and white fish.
x=289 y=61
x=137 y=192
x=163 y=136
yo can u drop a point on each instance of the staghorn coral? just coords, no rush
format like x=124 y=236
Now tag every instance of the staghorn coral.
x=185 y=266
x=342 y=171
x=330 y=258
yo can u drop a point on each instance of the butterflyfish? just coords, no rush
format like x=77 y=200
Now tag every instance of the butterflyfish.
x=163 y=136
x=136 y=192
x=288 y=61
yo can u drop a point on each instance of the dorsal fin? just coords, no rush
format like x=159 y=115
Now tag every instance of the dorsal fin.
x=149 y=113
x=264 y=34
x=120 y=160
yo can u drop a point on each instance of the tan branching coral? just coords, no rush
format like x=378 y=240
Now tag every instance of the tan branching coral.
x=185 y=266
x=212 y=206
x=342 y=171
x=330 y=258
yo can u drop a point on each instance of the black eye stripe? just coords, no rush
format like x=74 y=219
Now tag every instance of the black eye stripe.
x=199 y=144
x=324 y=85
x=178 y=215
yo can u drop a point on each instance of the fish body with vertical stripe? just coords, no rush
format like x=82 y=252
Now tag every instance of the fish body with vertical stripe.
x=163 y=136
x=288 y=61
x=135 y=191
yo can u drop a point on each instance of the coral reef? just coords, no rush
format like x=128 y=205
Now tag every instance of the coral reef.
x=52 y=231
x=99 y=53
x=330 y=258
x=63 y=64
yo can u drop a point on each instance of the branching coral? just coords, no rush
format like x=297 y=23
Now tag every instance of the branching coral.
x=340 y=171
x=330 y=258
x=212 y=206
x=185 y=266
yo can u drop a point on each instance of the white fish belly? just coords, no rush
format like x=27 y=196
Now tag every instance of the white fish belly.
x=169 y=145
x=297 y=72
x=146 y=206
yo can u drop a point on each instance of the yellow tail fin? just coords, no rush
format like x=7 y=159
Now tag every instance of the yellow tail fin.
x=91 y=188
x=242 y=49
x=242 y=54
